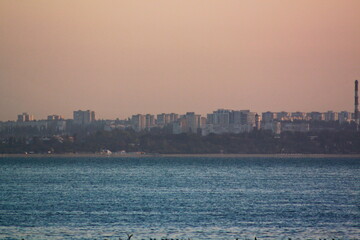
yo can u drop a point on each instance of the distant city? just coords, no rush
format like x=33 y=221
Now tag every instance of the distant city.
x=222 y=131
x=218 y=122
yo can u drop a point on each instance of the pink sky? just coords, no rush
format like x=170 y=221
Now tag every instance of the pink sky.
x=120 y=58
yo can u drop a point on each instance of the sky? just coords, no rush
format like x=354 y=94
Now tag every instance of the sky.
x=120 y=58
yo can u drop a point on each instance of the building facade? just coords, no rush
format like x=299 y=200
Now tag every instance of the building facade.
x=83 y=117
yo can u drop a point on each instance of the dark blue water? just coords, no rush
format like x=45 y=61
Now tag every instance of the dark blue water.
x=197 y=198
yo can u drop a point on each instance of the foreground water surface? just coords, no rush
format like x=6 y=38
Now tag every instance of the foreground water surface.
x=179 y=197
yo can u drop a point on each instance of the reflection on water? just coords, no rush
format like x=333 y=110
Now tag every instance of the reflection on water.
x=198 y=198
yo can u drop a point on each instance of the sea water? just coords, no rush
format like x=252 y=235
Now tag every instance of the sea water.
x=179 y=198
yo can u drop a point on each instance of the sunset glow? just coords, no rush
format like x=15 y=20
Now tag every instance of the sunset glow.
x=126 y=57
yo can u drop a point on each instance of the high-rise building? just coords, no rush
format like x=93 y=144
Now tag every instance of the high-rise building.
x=161 y=119
x=188 y=123
x=236 y=117
x=25 y=117
x=344 y=116
x=92 y=116
x=166 y=118
x=193 y=122
x=298 y=116
x=268 y=117
x=282 y=116
x=331 y=116
x=242 y=117
x=257 y=121
x=229 y=121
x=138 y=122
x=180 y=125
x=316 y=116
x=55 y=117
x=220 y=117
x=173 y=117
x=210 y=118
x=202 y=121
x=149 y=121
x=356 y=110
x=83 y=117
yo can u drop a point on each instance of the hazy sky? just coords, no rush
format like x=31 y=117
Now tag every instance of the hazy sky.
x=120 y=58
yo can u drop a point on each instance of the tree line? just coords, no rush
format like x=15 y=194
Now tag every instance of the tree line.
x=163 y=142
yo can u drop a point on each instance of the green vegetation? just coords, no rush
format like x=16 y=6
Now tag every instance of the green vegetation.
x=163 y=142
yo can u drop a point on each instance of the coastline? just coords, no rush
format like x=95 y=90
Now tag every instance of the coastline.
x=215 y=155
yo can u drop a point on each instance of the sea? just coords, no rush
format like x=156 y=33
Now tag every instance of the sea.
x=179 y=198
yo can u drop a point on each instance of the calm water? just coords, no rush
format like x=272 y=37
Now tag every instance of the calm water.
x=198 y=198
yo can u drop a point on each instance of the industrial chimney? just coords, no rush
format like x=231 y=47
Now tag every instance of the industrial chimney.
x=356 y=112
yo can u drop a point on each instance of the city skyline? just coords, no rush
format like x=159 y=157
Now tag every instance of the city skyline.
x=220 y=121
x=127 y=57
x=69 y=115
x=29 y=117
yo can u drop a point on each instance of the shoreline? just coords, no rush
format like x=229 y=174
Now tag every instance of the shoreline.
x=214 y=155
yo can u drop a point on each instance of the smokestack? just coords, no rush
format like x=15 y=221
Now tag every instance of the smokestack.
x=356 y=112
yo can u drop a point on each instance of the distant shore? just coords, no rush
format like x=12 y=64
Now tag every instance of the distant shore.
x=129 y=155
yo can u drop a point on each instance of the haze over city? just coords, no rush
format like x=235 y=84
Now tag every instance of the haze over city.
x=121 y=58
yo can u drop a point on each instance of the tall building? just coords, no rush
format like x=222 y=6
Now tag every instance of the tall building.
x=236 y=117
x=188 y=123
x=202 y=121
x=268 y=117
x=55 y=117
x=25 y=117
x=220 y=117
x=229 y=121
x=180 y=126
x=282 y=116
x=193 y=122
x=83 y=117
x=331 y=116
x=316 y=116
x=210 y=118
x=298 y=116
x=173 y=117
x=149 y=121
x=138 y=122
x=92 y=116
x=217 y=122
x=161 y=119
x=257 y=121
x=356 y=110
x=344 y=116
x=242 y=117
x=166 y=118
